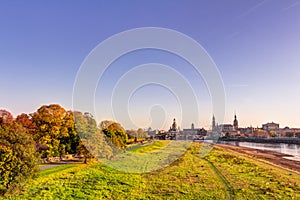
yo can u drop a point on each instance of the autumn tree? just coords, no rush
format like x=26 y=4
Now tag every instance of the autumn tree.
x=69 y=142
x=272 y=134
x=18 y=158
x=5 y=117
x=131 y=134
x=115 y=132
x=54 y=128
x=26 y=121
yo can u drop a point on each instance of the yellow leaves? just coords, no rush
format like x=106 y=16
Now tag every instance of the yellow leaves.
x=54 y=125
x=6 y=155
x=17 y=157
x=43 y=127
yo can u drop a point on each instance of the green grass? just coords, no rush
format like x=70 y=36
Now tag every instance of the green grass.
x=148 y=158
x=155 y=146
x=54 y=170
x=251 y=178
x=222 y=174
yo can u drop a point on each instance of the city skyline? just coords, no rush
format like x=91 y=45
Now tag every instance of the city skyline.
x=215 y=122
x=255 y=45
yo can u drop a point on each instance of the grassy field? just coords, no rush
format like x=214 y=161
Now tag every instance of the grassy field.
x=222 y=174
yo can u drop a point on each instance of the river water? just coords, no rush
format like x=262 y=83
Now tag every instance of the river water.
x=290 y=149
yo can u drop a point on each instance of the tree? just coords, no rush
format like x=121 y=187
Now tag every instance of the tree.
x=5 y=117
x=131 y=134
x=69 y=142
x=81 y=128
x=93 y=143
x=54 y=129
x=142 y=133
x=272 y=134
x=18 y=158
x=115 y=132
x=289 y=134
x=26 y=121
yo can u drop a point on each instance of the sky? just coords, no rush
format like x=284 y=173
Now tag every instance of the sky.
x=254 y=44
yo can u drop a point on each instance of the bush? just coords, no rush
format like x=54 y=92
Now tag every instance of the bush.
x=18 y=158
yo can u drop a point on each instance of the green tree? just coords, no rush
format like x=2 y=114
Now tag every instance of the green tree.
x=93 y=143
x=142 y=133
x=289 y=134
x=82 y=129
x=18 y=158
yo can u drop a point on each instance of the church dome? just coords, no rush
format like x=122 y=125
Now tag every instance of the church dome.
x=174 y=126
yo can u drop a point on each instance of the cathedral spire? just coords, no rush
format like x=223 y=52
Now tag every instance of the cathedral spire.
x=235 y=122
x=213 y=125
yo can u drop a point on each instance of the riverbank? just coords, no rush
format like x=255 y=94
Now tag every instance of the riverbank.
x=262 y=140
x=276 y=158
x=221 y=174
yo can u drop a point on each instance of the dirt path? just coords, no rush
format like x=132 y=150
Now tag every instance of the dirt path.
x=50 y=165
x=270 y=156
x=225 y=182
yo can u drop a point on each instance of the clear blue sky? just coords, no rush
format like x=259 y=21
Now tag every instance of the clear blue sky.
x=255 y=44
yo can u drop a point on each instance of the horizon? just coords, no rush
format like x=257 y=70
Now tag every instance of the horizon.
x=255 y=46
x=181 y=128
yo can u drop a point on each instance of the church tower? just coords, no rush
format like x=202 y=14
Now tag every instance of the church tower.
x=213 y=126
x=235 y=122
x=174 y=126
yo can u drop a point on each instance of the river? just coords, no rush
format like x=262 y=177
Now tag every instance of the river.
x=289 y=149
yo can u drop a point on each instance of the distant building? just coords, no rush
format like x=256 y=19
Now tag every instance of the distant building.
x=261 y=133
x=175 y=133
x=270 y=126
x=191 y=130
x=161 y=135
x=152 y=132
x=235 y=123
x=201 y=132
x=289 y=132
x=213 y=124
x=248 y=131
x=226 y=130
x=227 y=127
x=174 y=127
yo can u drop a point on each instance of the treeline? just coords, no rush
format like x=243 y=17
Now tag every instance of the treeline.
x=52 y=131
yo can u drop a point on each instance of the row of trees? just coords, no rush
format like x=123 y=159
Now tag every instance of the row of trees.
x=18 y=156
x=48 y=132
x=139 y=133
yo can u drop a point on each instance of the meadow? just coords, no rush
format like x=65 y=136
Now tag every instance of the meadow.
x=222 y=174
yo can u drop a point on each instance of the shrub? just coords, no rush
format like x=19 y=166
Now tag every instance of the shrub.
x=18 y=158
